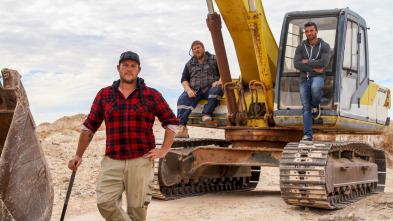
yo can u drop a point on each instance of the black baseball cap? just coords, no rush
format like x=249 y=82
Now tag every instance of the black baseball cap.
x=129 y=55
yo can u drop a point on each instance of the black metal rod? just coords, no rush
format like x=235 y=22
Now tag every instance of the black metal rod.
x=68 y=195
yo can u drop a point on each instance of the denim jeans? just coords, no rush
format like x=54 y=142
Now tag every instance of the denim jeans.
x=310 y=95
x=185 y=104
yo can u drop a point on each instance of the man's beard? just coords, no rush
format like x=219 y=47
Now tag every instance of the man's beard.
x=312 y=37
x=200 y=56
x=131 y=81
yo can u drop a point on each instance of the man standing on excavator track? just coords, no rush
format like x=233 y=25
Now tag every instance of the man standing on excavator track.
x=311 y=58
x=129 y=109
x=201 y=80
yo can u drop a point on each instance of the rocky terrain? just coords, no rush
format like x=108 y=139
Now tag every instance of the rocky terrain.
x=59 y=142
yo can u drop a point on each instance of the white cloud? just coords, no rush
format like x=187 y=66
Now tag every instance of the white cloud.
x=83 y=40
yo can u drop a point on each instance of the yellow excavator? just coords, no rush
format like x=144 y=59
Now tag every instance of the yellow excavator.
x=263 y=118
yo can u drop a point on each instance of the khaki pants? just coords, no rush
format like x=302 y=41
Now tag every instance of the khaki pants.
x=135 y=177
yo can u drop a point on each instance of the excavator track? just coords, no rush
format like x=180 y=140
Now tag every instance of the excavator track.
x=195 y=187
x=306 y=178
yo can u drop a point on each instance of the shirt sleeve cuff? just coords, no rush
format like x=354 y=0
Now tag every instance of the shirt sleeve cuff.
x=174 y=128
x=84 y=127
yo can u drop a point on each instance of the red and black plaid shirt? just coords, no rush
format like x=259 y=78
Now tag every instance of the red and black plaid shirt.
x=129 y=124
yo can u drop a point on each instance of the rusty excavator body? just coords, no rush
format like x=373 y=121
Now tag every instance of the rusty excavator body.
x=263 y=116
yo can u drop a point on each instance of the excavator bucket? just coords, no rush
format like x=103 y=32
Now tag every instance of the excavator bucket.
x=26 y=190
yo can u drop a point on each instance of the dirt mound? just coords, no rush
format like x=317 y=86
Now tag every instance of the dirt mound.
x=387 y=138
x=65 y=123
x=382 y=141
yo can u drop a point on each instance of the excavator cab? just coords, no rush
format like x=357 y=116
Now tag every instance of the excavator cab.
x=289 y=75
x=350 y=101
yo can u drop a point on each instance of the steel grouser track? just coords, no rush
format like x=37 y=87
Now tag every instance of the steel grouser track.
x=330 y=175
x=194 y=187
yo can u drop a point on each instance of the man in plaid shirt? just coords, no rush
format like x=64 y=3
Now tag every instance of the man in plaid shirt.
x=129 y=109
x=201 y=80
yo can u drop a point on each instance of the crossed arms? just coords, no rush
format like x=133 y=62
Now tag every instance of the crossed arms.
x=317 y=65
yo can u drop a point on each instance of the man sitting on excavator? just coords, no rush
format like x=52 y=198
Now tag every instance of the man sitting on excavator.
x=201 y=80
x=311 y=58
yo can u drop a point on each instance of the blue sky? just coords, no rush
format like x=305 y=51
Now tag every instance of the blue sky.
x=66 y=51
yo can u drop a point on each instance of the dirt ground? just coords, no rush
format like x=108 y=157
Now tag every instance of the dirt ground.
x=59 y=141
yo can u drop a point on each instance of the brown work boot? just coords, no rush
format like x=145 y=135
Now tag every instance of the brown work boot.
x=182 y=132
x=206 y=118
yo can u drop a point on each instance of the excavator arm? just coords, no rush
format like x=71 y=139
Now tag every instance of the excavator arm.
x=257 y=53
